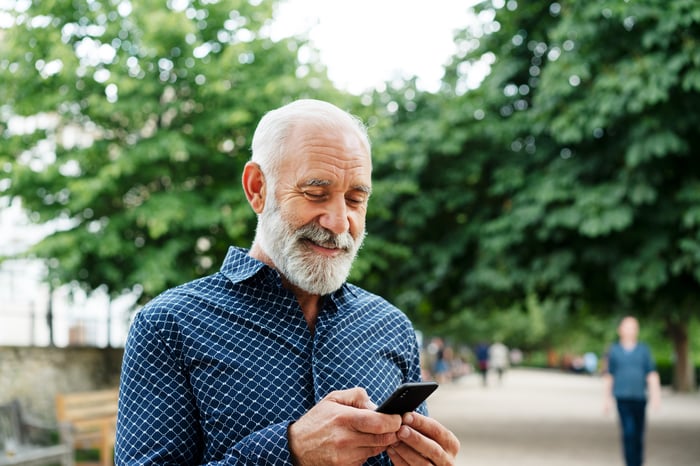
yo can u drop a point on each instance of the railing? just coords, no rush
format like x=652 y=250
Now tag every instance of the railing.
x=32 y=314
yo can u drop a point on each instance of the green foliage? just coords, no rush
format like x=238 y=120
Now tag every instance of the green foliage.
x=130 y=123
x=565 y=185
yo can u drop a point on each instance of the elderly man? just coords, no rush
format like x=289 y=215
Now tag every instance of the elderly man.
x=276 y=359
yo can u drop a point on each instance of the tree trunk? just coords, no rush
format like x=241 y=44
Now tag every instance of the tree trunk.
x=683 y=369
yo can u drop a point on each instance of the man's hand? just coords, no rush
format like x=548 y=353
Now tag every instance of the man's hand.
x=654 y=384
x=608 y=399
x=423 y=440
x=608 y=403
x=342 y=429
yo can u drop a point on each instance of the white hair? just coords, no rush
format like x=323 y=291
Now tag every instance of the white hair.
x=276 y=126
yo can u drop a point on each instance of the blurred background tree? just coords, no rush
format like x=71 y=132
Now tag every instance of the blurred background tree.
x=126 y=126
x=566 y=184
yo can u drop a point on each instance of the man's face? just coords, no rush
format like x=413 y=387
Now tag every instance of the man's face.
x=313 y=224
x=628 y=329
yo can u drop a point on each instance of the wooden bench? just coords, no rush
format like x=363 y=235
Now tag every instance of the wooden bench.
x=26 y=441
x=93 y=420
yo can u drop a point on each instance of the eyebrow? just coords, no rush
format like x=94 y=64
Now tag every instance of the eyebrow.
x=322 y=183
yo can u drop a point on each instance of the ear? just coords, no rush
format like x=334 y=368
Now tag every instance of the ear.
x=254 y=186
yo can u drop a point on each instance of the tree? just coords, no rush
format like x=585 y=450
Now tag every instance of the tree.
x=566 y=181
x=628 y=115
x=126 y=125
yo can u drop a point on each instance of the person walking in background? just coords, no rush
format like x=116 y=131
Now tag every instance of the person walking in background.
x=441 y=368
x=498 y=359
x=631 y=375
x=590 y=362
x=482 y=359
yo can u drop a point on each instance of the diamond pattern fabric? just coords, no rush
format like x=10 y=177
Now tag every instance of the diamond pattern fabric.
x=215 y=370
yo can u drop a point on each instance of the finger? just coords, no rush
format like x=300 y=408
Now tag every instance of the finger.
x=419 y=446
x=396 y=460
x=356 y=397
x=432 y=429
x=369 y=452
x=402 y=454
x=376 y=423
x=373 y=440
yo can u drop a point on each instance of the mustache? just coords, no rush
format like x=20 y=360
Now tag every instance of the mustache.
x=325 y=238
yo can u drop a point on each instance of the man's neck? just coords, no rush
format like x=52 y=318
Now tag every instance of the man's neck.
x=310 y=303
x=628 y=343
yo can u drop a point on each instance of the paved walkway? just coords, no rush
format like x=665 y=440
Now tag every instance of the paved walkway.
x=547 y=418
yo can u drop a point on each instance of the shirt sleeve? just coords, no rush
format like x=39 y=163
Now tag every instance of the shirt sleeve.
x=611 y=366
x=158 y=420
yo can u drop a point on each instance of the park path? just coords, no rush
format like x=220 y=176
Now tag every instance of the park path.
x=549 y=418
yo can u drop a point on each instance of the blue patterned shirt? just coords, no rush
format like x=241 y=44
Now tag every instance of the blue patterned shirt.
x=215 y=370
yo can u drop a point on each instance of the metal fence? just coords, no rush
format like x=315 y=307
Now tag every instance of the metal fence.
x=31 y=314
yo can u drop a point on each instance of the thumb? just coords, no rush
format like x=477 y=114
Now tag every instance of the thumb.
x=356 y=397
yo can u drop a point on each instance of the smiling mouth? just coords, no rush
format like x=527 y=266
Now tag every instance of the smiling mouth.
x=328 y=248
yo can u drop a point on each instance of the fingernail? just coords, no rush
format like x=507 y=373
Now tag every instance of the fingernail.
x=408 y=418
x=404 y=432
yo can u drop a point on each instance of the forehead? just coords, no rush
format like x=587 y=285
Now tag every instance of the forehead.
x=629 y=323
x=328 y=154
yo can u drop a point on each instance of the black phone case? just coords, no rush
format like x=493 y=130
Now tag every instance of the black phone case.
x=407 y=397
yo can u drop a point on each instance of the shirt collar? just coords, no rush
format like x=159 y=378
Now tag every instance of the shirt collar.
x=239 y=265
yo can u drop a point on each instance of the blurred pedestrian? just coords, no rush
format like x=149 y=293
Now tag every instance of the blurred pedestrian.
x=441 y=368
x=516 y=357
x=498 y=359
x=482 y=358
x=630 y=376
x=590 y=362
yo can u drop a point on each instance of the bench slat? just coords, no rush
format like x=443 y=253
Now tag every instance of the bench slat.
x=93 y=419
x=35 y=455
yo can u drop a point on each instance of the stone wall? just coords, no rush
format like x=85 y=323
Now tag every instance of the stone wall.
x=35 y=374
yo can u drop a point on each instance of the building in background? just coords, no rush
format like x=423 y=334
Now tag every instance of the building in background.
x=29 y=308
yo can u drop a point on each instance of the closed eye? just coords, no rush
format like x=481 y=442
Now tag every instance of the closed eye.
x=314 y=196
x=356 y=200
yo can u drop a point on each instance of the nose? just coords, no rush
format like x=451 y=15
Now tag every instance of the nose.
x=335 y=218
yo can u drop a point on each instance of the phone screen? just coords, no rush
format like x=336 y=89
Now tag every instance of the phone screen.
x=407 y=397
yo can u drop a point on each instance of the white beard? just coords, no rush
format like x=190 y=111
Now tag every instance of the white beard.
x=296 y=260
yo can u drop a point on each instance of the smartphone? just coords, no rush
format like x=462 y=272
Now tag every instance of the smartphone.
x=407 y=397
